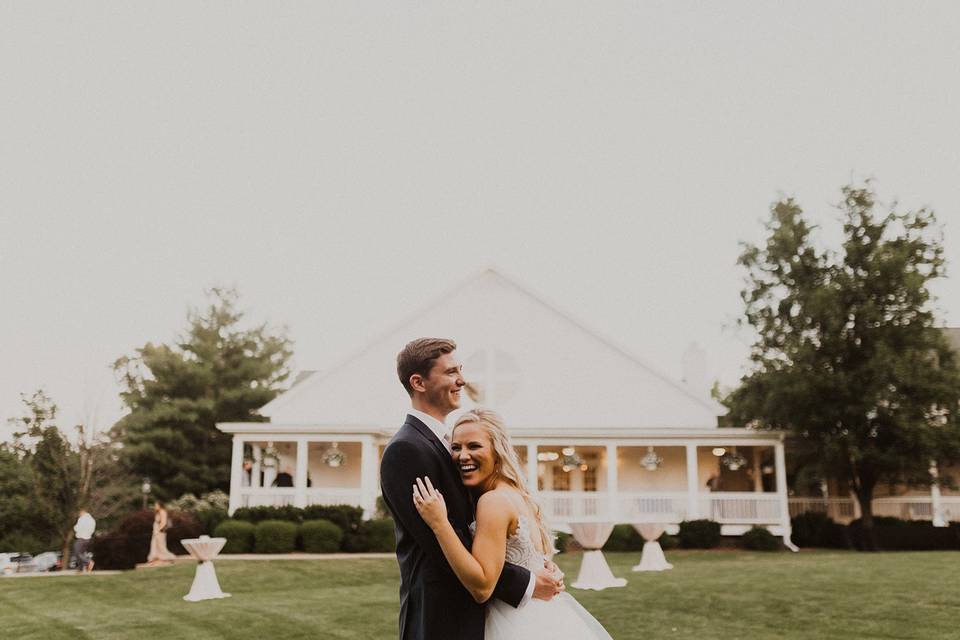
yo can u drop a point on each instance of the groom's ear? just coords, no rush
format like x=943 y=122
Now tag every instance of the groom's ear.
x=416 y=383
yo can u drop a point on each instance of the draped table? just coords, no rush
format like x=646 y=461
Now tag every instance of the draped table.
x=594 y=571
x=652 y=558
x=205 y=584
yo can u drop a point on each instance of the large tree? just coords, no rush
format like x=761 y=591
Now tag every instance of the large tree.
x=217 y=371
x=58 y=475
x=847 y=356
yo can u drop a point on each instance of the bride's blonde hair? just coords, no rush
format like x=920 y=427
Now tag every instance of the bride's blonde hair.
x=507 y=465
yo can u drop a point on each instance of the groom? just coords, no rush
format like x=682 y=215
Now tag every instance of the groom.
x=433 y=603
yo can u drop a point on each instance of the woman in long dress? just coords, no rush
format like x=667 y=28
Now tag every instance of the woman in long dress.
x=159 y=554
x=509 y=527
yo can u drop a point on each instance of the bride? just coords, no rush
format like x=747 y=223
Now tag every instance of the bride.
x=509 y=528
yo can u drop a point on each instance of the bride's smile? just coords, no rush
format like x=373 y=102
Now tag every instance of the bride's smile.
x=473 y=454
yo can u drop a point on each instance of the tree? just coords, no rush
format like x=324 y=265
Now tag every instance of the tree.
x=63 y=475
x=847 y=357
x=215 y=372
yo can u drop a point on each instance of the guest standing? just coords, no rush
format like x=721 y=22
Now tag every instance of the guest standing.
x=159 y=554
x=83 y=531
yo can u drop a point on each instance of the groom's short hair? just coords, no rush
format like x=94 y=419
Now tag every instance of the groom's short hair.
x=418 y=357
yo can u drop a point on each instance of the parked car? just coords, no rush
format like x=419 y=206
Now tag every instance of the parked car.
x=7 y=565
x=47 y=561
x=16 y=562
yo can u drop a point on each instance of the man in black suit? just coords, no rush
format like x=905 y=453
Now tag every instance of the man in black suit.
x=433 y=603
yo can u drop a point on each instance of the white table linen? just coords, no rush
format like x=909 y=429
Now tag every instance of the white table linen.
x=652 y=558
x=594 y=571
x=205 y=584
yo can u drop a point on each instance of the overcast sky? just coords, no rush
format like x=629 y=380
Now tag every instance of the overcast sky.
x=342 y=163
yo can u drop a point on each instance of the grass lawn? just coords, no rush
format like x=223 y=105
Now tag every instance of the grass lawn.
x=713 y=594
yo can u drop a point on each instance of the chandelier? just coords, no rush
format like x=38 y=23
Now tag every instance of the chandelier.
x=651 y=461
x=733 y=460
x=334 y=457
x=571 y=459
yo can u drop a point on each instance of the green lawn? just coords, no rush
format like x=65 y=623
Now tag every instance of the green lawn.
x=714 y=594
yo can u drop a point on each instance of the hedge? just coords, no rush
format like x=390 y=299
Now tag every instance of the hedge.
x=893 y=534
x=372 y=535
x=624 y=538
x=813 y=529
x=275 y=536
x=320 y=536
x=128 y=544
x=699 y=534
x=345 y=516
x=239 y=535
x=760 y=539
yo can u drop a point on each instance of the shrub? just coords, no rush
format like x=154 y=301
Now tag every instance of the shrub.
x=372 y=535
x=668 y=541
x=813 y=529
x=699 y=534
x=624 y=538
x=275 y=536
x=382 y=511
x=345 y=516
x=563 y=542
x=893 y=534
x=239 y=535
x=129 y=542
x=320 y=536
x=760 y=539
x=286 y=513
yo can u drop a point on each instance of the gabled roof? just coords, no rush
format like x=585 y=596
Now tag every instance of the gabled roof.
x=551 y=372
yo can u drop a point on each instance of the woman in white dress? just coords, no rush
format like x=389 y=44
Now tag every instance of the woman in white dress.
x=159 y=554
x=509 y=527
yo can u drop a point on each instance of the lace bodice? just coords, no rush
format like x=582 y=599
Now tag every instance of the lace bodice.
x=520 y=548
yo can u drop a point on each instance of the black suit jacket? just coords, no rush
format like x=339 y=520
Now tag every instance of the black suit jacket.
x=433 y=603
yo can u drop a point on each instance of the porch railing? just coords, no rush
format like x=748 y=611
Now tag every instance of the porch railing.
x=843 y=510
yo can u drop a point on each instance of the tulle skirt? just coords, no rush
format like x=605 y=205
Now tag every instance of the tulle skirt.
x=562 y=618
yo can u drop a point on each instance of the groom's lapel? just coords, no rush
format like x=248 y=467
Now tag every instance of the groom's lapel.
x=428 y=433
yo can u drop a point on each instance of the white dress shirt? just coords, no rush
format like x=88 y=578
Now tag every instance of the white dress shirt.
x=440 y=429
x=85 y=527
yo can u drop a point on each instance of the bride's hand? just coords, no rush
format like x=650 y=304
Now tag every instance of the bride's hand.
x=429 y=503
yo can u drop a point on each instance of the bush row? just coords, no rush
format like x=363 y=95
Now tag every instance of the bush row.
x=312 y=536
x=128 y=543
x=891 y=534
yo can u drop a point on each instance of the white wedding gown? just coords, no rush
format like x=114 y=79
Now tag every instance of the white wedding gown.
x=562 y=618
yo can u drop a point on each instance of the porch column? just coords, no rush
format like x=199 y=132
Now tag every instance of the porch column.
x=757 y=471
x=256 y=469
x=612 y=483
x=300 y=480
x=368 y=477
x=936 y=504
x=236 y=474
x=532 y=484
x=693 y=484
x=781 y=469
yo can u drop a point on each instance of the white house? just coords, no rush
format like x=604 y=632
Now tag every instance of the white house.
x=604 y=436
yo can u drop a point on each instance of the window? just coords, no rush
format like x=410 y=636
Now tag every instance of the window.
x=561 y=479
x=590 y=479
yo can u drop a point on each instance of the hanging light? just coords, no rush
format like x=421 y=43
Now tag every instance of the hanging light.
x=571 y=459
x=548 y=456
x=733 y=460
x=333 y=457
x=719 y=451
x=651 y=461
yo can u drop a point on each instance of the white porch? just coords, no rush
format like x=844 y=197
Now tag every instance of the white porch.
x=609 y=482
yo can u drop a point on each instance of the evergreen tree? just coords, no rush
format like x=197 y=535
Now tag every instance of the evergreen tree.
x=847 y=356
x=216 y=372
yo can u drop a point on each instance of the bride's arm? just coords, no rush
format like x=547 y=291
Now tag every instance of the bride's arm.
x=479 y=569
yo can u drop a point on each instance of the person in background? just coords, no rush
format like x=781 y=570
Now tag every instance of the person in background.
x=83 y=532
x=159 y=554
x=284 y=479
